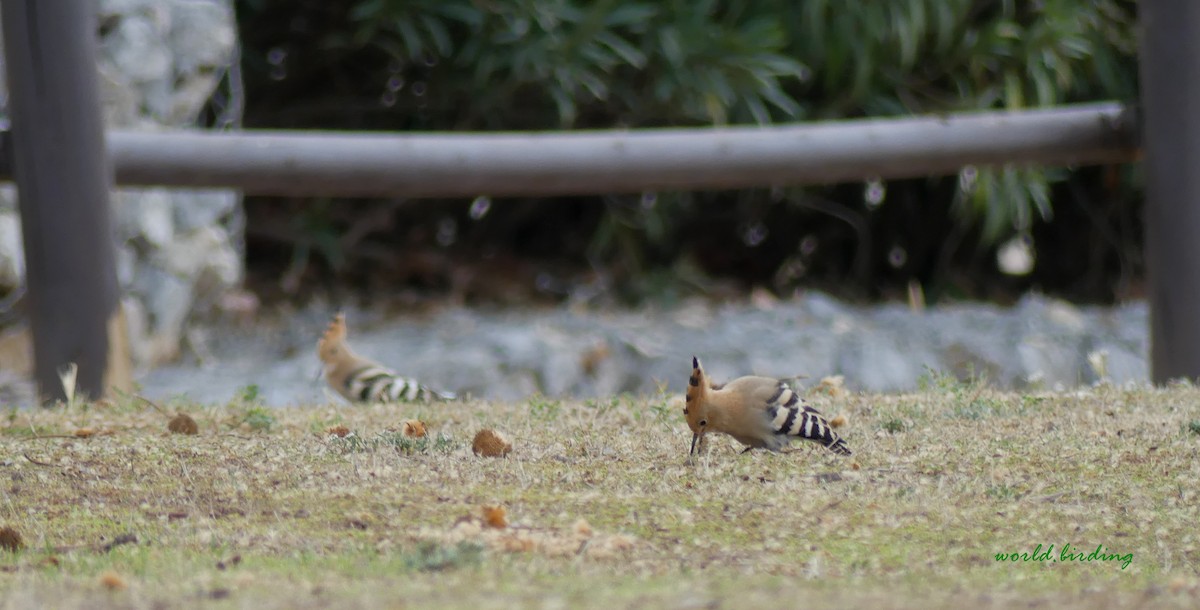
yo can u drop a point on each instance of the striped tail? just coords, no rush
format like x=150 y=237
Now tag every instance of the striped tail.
x=794 y=417
x=377 y=384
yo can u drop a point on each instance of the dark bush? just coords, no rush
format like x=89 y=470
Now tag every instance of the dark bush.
x=462 y=65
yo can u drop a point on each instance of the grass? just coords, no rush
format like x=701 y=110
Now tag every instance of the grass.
x=265 y=509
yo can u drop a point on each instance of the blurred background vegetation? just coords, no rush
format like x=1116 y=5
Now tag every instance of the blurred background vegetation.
x=478 y=65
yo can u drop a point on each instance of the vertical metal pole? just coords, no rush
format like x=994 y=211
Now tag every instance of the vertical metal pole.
x=1170 y=80
x=63 y=177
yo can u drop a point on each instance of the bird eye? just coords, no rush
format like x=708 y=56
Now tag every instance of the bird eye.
x=703 y=422
x=685 y=411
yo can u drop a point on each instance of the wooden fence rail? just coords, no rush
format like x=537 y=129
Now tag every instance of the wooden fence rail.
x=615 y=161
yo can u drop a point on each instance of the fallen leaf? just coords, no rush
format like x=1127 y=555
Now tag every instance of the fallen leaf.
x=113 y=581
x=183 y=424
x=413 y=428
x=495 y=516
x=490 y=443
x=10 y=539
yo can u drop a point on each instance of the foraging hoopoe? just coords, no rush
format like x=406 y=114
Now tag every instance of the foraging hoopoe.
x=359 y=379
x=760 y=412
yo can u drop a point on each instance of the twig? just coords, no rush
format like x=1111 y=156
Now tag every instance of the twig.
x=37 y=462
x=103 y=547
x=118 y=541
x=151 y=403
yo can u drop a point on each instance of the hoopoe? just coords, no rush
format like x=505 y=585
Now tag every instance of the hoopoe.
x=359 y=379
x=760 y=412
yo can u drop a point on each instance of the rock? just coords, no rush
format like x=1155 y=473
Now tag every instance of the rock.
x=138 y=327
x=168 y=298
x=1051 y=362
x=137 y=47
x=822 y=306
x=118 y=99
x=966 y=362
x=1056 y=315
x=144 y=214
x=203 y=35
x=511 y=355
x=126 y=262
x=12 y=252
x=195 y=209
x=883 y=361
x=1122 y=364
x=205 y=251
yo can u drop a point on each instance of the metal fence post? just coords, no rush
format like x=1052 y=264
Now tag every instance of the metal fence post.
x=1170 y=81
x=63 y=176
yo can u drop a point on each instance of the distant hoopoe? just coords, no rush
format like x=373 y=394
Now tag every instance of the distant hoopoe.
x=760 y=412
x=362 y=380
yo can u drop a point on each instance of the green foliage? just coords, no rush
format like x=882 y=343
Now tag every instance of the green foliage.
x=603 y=406
x=661 y=411
x=544 y=408
x=259 y=418
x=248 y=409
x=933 y=380
x=1194 y=426
x=1003 y=492
x=977 y=409
x=551 y=64
x=248 y=394
x=685 y=61
x=409 y=445
x=434 y=557
x=406 y=445
x=893 y=426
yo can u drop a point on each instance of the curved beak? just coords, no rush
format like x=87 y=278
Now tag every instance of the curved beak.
x=695 y=440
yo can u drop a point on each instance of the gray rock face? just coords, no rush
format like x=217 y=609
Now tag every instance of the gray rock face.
x=12 y=254
x=160 y=62
x=509 y=355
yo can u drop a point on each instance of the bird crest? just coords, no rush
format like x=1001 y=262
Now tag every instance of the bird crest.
x=331 y=345
x=695 y=408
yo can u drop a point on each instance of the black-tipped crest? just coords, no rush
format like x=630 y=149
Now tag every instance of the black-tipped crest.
x=696 y=408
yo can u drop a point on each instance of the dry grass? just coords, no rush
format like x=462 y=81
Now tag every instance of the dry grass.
x=598 y=506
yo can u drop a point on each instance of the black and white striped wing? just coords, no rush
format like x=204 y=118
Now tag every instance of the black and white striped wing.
x=378 y=384
x=790 y=415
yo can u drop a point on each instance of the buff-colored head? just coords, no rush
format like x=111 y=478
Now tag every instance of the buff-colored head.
x=331 y=347
x=695 y=408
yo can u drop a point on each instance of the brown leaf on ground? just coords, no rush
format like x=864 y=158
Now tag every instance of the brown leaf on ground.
x=834 y=385
x=490 y=443
x=10 y=539
x=339 y=431
x=183 y=424
x=413 y=428
x=113 y=581
x=495 y=516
